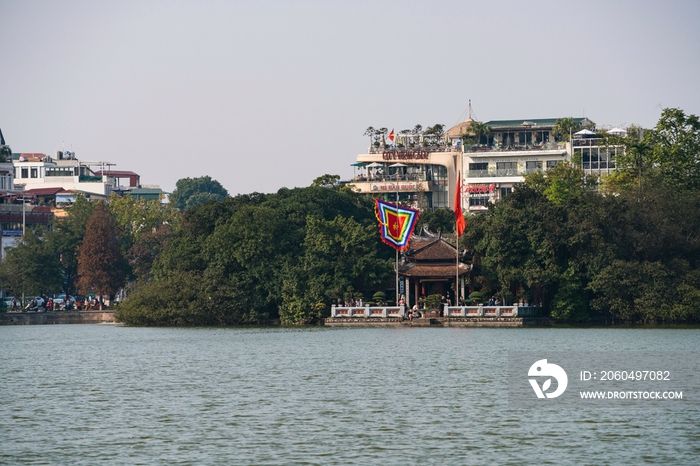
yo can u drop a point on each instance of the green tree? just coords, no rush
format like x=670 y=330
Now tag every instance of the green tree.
x=564 y=128
x=101 y=265
x=370 y=132
x=327 y=181
x=675 y=145
x=147 y=250
x=667 y=155
x=5 y=153
x=32 y=267
x=66 y=237
x=190 y=192
x=433 y=134
x=338 y=254
x=263 y=251
x=477 y=130
x=437 y=220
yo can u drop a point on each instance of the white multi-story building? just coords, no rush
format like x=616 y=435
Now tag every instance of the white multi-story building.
x=506 y=153
x=421 y=171
x=37 y=171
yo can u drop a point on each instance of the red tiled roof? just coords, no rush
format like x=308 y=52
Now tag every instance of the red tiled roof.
x=116 y=173
x=44 y=191
x=432 y=249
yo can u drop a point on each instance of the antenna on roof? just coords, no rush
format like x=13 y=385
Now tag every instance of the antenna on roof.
x=469 y=112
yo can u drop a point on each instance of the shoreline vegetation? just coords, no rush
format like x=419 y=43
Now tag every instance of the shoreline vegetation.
x=621 y=250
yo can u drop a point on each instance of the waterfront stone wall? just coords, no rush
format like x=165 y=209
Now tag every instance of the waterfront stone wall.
x=61 y=317
x=439 y=322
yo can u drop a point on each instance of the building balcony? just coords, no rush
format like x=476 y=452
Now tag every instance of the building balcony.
x=517 y=151
x=598 y=165
x=497 y=173
x=362 y=185
x=418 y=148
x=515 y=147
x=588 y=142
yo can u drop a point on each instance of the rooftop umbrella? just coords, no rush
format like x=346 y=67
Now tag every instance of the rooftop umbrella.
x=584 y=132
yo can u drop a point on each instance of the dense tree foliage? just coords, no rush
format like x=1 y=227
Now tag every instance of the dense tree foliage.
x=259 y=257
x=564 y=128
x=32 y=267
x=101 y=265
x=624 y=248
x=614 y=255
x=190 y=192
x=437 y=220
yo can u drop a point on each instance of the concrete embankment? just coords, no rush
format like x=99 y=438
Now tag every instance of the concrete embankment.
x=437 y=322
x=61 y=317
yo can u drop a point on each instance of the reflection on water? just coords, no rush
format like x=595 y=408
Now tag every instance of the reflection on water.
x=83 y=394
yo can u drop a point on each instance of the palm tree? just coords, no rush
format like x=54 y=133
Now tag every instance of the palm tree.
x=563 y=128
x=435 y=132
x=5 y=153
x=479 y=129
x=417 y=132
x=370 y=132
x=381 y=133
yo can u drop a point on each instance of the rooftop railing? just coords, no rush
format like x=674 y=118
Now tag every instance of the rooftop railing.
x=440 y=148
x=89 y=179
x=514 y=147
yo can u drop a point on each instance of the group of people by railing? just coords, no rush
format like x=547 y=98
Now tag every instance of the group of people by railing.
x=48 y=304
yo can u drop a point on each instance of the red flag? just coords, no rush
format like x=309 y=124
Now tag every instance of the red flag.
x=391 y=135
x=461 y=223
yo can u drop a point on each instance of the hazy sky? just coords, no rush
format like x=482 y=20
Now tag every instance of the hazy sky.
x=265 y=94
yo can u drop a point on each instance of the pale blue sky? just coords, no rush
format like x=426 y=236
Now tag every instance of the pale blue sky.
x=265 y=94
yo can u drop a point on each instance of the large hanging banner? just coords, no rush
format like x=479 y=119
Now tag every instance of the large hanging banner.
x=396 y=223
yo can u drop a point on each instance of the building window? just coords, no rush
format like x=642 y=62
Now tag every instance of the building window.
x=505 y=192
x=59 y=171
x=533 y=166
x=506 y=168
x=478 y=169
x=25 y=173
x=34 y=172
x=507 y=139
x=552 y=163
x=478 y=201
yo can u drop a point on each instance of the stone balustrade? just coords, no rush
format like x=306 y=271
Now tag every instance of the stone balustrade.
x=489 y=311
x=368 y=311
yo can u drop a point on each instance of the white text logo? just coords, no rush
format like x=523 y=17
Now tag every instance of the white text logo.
x=543 y=369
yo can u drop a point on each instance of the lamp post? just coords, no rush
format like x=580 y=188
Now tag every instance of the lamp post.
x=24 y=215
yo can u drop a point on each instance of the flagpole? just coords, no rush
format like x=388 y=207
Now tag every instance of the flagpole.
x=458 y=216
x=457 y=265
x=397 y=249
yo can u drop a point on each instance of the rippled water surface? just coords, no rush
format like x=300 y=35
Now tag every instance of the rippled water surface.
x=84 y=394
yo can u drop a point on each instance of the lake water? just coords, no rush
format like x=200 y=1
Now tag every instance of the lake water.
x=91 y=394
